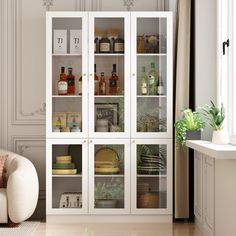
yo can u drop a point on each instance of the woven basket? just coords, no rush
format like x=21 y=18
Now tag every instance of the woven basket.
x=148 y=200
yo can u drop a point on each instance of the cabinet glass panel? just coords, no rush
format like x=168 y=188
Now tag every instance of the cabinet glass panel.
x=109 y=176
x=67 y=86
x=109 y=75
x=67 y=175
x=151 y=176
x=151 y=58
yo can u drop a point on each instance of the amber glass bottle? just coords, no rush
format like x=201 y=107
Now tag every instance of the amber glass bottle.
x=102 y=85
x=113 y=82
x=96 y=82
x=71 y=82
x=62 y=85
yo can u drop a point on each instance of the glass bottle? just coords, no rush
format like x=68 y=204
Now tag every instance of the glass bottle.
x=113 y=81
x=62 y=85
x=118 y=45
x=96 y=82
x=71 y=82
x=144 y=82
x=160 y=86
x=80 y=85
x=104 y=45
x=102 y=85
x=152 y=80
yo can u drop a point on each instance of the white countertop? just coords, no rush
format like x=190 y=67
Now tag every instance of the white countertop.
x=217 y=151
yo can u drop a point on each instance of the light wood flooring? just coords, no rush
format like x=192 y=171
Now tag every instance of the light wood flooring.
x=50 y=229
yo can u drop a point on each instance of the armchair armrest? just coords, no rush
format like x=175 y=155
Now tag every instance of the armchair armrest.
x=22 y=189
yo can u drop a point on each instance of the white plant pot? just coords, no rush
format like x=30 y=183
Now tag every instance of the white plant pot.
x=220 y=137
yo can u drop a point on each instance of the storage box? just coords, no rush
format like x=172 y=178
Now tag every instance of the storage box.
x=60 y=41
x=59 y=119
x=74 y=119
x=75 y=41
x=71 y=200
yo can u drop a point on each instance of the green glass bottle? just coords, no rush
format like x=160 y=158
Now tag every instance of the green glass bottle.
x=144 y=82
x=152 y=80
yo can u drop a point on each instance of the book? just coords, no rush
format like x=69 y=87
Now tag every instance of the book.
x=59 y=119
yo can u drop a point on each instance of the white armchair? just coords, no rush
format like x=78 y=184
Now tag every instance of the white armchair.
x=19 y=199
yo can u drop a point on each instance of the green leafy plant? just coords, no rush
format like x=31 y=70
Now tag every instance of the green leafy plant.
x=191 y=121
x=109 y=190
x=214 y=115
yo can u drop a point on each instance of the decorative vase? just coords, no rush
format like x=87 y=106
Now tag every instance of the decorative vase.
x=220 y=137
x=193 y=135
x=106 y=203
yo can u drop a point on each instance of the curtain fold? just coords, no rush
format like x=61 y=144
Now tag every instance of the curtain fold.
x=181 y=102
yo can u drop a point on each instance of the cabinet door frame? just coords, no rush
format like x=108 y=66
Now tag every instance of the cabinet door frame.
x=169 y=185
x=208 y=193
x=169 y=71
x=66 y=211
x=198 y=186
x=126 y=143
x=49 y=73
x=126 y=16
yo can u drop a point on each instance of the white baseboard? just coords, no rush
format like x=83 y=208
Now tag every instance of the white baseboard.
x=109 y=219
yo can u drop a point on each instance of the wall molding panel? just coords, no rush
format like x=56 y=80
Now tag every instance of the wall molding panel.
x=21 y=114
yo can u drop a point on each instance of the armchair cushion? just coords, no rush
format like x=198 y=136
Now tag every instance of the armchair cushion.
x=3 y=159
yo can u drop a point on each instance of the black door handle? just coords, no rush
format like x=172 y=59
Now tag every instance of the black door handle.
x=225 y=44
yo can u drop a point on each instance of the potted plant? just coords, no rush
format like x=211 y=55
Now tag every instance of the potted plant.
x=107 y=194
x=215 y=117
x=189 y=127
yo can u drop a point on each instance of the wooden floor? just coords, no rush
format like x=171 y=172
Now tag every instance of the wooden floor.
x=117 y=230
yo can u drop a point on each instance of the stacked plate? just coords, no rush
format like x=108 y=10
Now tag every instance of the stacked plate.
x=152 y=164
x=63 y=166
x=106 y=161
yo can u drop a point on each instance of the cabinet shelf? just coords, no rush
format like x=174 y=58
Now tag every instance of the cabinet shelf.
x=110 y=176
x=66 y=55
x=151 y=96
x=109 y=96
x=67 y=96
x=67 y=176
x=152 y=176
x=109 y=54
x=151 y=54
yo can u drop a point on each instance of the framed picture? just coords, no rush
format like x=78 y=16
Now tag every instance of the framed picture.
x=107 y=111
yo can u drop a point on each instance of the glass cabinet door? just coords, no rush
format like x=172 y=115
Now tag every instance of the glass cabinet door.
x=151 y=175
x=109 y=68
x=66 y=70
x=151 y=72
x=109 y=177
x=67 y=177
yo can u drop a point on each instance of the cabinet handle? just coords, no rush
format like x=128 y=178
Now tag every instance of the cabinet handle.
x=133 y=74
x=91 y=141
x=133 y=141
x=84 y=141
x=91 y=74
x=84 y=74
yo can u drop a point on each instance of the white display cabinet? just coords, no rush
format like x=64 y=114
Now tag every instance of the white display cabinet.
x=58 y=184
x=119 y=137
x=151 y=113
x=151 y=181
x=109 y=186
x=119 y=102
x=75 y=102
